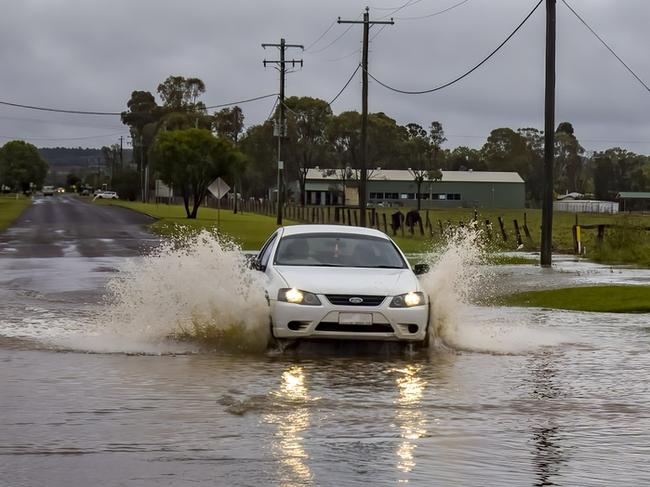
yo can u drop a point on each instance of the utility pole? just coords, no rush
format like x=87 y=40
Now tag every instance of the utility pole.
x=281 y=128
x=363 y=170
x=546 y=254
x=121 y=153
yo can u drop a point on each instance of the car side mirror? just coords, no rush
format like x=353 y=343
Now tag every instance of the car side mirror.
x=254 y=263
x=419 y=269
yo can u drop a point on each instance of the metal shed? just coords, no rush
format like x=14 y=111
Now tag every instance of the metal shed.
x=394 y=187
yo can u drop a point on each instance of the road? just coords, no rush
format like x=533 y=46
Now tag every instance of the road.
x=66 y=226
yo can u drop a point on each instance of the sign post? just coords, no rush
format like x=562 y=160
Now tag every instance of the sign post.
x=219 y=189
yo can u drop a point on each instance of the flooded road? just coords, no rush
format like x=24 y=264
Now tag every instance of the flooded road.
x=516 y=397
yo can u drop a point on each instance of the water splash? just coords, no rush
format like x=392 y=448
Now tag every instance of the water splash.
x=197 y=288
x=460 y=277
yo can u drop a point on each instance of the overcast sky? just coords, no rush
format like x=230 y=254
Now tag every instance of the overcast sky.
x=90 y=55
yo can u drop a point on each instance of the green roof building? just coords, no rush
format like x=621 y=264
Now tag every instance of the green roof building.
x=393 y=187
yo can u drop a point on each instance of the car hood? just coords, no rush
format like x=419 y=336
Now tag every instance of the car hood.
x=349 y=280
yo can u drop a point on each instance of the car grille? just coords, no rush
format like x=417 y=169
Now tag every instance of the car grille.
x=344 y=299
x=374 y=328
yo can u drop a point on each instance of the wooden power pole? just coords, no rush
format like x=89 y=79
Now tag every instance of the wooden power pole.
x=281 y=127
x=363 y=170
x=546 y=254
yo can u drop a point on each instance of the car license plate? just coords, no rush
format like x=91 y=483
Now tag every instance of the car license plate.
x=355 y=318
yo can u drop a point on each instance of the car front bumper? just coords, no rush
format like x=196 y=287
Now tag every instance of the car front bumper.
x=391 y=324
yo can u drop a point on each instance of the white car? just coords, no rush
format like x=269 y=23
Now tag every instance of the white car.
x=107 y=195
x=339 y=282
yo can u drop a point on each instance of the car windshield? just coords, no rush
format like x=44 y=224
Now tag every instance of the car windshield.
x=338 y=250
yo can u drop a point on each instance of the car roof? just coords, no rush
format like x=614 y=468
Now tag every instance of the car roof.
x=320 y=228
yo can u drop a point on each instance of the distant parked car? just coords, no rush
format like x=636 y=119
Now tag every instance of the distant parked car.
x=48 y=190
x=107 y=195
x=85 y=192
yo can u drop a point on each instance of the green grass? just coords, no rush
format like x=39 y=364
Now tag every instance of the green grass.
x=11 y=207
x=250 y=230
x=602 y=299
x=624 y=245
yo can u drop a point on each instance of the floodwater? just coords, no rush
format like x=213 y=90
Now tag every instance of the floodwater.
x=95 y=393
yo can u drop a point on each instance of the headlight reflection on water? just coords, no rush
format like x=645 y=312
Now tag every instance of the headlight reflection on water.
x=292 y=417
x=409 y=415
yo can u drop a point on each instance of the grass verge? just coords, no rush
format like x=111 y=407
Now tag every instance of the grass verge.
x=601 y=299
x=249 y=230
x=10 y=208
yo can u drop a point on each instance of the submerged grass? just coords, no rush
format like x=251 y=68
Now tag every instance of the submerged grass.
x=11 y=207
x=602 y=299
x=625 y=244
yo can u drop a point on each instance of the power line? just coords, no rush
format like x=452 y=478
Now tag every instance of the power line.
x=356 y=51
x=275 y=104
x=87 y=112
x=456 y=80
x=333 y=42
x=606 y=45
x=321 y=36
x=346 y=84
x=241 y=101
x=407 y=4
x=439 y=12
x=28 y=137
x=398 y=6
x=57 y=110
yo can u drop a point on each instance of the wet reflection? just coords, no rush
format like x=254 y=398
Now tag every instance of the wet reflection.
x=548 y=454
x=292 y=419
x=409 y=416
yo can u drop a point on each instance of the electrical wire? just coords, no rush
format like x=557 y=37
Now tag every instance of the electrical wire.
x=241 y=101
x=57 y=110
x=335 y=40
x=407 y=4
x=346 y=85
x=606 y=45
x=394 y=8
x=63 y=138
x=85 y=112
x=357 y=51
x=456 y=80
x=434 y=13
x=275 y=104
x=320 y=36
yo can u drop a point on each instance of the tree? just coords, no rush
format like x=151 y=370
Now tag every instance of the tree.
x=464 y=159
x=229 y=122
x=181 y=94
x=259 y=148
x=307 y=142
x=190 y=159
x=20 y=165
x=437 y=137
x=419 y=148
x=568 y=160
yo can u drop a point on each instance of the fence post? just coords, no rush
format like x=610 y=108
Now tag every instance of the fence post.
x=356 y=221
x=385 y=224
x=488 y=229
x=329 y=220
x=503 y=230
x=442 y=229
x=601 y=234
x=574 y=232
x=517 y=233
x=349 y=217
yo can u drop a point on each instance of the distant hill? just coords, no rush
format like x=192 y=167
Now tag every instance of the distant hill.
x=76 y=157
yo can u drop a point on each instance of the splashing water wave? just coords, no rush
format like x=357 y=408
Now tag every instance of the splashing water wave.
x=198 y=288
x=458 y=277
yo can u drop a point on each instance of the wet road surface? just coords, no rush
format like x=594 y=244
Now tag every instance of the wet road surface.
x=65 y=226
x=528 y=397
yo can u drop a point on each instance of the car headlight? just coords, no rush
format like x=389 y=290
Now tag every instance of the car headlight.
x=408 y=300
x=296 y=296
